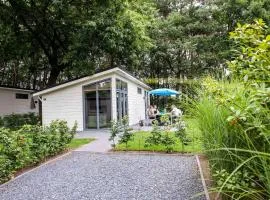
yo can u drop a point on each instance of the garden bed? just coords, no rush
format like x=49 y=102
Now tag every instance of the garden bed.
x=138 y=141
x=193 y=146
x=138 y=144
x=31 y=145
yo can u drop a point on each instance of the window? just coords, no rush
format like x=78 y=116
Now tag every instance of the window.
x=121 y=85
x=21 y=96
x=139 y=90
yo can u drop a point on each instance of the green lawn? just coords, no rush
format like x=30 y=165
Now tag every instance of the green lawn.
x=77 y=142
x=192 y=132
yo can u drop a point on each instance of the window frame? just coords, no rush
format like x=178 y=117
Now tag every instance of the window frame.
x=22 y=96
x=139 y=90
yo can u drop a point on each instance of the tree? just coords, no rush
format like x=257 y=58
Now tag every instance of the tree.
x=191 y=38
x=127 y=134
x=67 y=37
x=189 y=43
x=253 y=54
x=114 y=130
x=231 y=12
x=44 y=42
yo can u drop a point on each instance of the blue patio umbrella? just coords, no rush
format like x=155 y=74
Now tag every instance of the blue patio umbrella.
x=163 y=92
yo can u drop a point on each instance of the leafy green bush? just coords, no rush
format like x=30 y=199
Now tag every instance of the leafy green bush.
x=235 y=182
x=16 y=121
x=30 y=145
x=234 y=118
x=189 y=91
x=1 y=122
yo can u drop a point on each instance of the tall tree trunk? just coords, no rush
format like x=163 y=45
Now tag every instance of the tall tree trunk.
x=54 y=73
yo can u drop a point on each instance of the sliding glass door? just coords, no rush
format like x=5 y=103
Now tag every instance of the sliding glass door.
x=98 y=104
x=91 y=109
x=104 y=98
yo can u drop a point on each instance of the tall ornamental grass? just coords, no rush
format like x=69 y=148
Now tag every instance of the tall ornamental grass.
x=234 y=117
x=239 y=156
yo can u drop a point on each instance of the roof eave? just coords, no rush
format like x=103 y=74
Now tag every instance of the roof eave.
x=18 y=89
x=134 y=79
x=107 y=72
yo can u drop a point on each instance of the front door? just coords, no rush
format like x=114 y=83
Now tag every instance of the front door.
x=104 y=104
x=91 y=109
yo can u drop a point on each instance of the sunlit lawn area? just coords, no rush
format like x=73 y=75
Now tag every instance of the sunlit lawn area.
x=193 y=133
x=77 y=142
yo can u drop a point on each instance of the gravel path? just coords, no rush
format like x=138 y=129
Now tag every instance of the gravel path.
x=84 y=175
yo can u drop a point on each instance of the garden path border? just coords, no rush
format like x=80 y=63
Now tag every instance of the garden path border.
x=202 y=178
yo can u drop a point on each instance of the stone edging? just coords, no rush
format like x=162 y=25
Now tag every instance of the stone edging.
x=140 y=153
x=202 y=178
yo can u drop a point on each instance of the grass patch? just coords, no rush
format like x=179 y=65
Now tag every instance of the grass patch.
x=193 y=133
x=77 y=142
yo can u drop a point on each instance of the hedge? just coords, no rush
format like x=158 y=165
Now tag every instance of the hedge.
x=30 y=145
x=16 y=121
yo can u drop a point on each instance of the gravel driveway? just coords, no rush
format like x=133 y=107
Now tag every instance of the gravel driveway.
x=84 y=175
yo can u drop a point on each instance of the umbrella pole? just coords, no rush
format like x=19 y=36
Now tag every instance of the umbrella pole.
x=166 y=102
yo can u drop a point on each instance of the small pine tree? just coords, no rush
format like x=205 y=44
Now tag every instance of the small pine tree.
x=155 y=137
x=180 y=132
x=127 y=134
x=115 y=130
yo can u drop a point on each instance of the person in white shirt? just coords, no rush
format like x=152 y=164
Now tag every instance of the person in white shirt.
x=176 y=113
x=151 y=112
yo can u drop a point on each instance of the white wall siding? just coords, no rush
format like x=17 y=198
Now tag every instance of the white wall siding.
x=9 y=104
x=66 y=104
x=136 y=103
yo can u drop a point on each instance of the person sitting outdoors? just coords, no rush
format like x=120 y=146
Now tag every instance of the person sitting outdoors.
x=175 y=113
x=151 y=112
x=156 y=111
x=157 y=114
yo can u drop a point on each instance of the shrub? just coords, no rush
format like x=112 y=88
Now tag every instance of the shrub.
x=160 y=136
x=236 y=183
x=16 y=121
x=30 y=145
x=189 y=91
x=1 y=122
